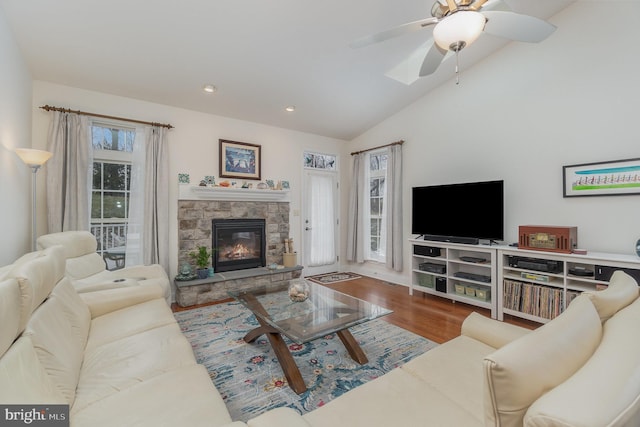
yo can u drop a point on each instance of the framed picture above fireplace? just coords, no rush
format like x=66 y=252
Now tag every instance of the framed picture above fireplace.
x=240 y=160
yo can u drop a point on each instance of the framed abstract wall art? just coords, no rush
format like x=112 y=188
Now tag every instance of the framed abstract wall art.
x=612 y=178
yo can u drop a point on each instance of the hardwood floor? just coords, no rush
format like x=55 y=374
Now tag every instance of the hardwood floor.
x=434 y=318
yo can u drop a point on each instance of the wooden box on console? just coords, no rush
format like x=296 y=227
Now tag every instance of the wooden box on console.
x=548 y=238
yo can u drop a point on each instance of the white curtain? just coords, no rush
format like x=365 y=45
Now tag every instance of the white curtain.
x=147 y=232
x=355 y=226
x=69 y=173
x=322 y=218
x=393 y=203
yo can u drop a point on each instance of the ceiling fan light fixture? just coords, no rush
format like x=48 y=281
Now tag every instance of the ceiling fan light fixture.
x=459 y=29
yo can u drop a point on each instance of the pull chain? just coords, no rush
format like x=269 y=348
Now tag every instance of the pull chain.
x=457 y=67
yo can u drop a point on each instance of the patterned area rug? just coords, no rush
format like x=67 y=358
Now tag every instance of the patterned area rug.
x=323 y=279
x=250 y=379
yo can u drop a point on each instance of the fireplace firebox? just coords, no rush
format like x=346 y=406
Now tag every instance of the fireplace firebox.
x=239 y=243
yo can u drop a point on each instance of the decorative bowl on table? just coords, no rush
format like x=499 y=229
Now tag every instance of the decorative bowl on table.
x=298 y=290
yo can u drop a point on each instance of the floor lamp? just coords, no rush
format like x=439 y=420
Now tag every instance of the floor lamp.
x=34 y=159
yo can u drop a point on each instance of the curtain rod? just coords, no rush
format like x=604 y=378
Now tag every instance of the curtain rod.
x=102 y=116
x=380 y=146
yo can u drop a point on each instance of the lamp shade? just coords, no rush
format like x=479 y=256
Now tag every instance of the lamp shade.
x=463 y=26
x=33 y=157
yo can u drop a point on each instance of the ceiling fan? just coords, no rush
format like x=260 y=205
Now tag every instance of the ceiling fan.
x=458 y=23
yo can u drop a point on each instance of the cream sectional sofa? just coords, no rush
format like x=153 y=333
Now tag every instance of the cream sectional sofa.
x=117 y=357
x=582 y=369
x=87 y=270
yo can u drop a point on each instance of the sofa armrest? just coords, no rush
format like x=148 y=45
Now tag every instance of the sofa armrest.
x=109 y=300
x=492 y=332
x=279 y=417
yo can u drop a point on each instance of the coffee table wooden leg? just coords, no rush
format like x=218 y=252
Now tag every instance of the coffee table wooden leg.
x=352 y=346
x=255 y=333
x=289 y=367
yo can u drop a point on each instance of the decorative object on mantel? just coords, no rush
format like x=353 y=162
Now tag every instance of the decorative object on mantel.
x=262 y=186
x=202 y=258
x=270 y=184
x=285 y=185
x=183 y=178
x=211 y=180
x=203 y=183
x=240 y=160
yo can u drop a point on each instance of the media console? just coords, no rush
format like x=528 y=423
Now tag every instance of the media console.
x=530 y=284
x=458 y=271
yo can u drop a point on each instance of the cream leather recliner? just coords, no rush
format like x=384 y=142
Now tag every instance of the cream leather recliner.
x=87 y=270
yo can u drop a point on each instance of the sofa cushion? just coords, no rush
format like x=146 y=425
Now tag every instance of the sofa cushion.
x=41 y=273
x=395 y=399
x=490 y=331
x=58 y=344
x=15 y=309
x=622 y=291
x=129 y=321
x=520 y=372
x=23 y=380
x=182 y=397
x=118 y=365
x=606 y=390
x=462 y=378
x=85 y=266
x=75 y=243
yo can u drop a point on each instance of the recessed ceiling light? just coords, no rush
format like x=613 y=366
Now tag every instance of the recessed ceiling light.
x=209 y=88
x=290 y=108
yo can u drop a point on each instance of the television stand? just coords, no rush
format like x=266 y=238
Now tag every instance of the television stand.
x=451 y=239
x=456 y=271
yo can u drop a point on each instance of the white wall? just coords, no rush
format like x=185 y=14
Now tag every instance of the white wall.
x=193 y=142
x=15 y=131
x=523 y=113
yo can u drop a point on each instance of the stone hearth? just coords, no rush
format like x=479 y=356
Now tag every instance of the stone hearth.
x=215 y=288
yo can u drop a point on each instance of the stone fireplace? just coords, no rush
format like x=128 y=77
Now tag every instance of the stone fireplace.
x=266 y=212
x=195 y=219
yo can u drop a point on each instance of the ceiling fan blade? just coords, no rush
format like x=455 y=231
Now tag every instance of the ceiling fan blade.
x=432 y=60
x=393 y=32
x=514 y=26
x=478 y=4
x=452 y=5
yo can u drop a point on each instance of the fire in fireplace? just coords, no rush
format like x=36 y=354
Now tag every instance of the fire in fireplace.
x=239 y=243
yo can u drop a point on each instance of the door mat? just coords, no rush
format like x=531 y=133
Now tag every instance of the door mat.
x=334 y=277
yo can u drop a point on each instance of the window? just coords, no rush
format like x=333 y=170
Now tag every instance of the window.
x=111 y=184
x=376 y=215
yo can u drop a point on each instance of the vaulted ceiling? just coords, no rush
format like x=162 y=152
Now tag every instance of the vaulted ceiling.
x=261 y=55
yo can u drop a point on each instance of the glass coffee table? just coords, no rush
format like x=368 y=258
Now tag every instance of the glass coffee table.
x=323 y=312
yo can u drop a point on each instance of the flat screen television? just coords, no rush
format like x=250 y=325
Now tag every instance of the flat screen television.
x=463 y=213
